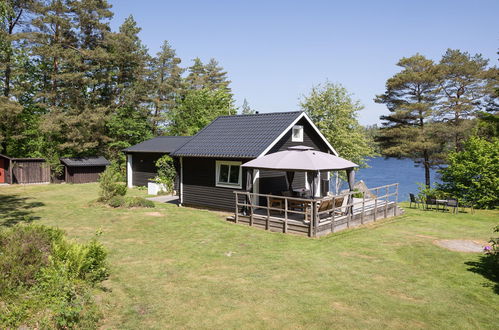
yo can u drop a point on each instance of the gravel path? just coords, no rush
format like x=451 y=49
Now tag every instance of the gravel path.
x=460 y=245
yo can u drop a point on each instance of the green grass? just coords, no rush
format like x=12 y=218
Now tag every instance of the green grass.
x=174 y=270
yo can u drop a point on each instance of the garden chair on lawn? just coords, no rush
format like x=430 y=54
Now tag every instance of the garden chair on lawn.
x=453 y=203
x=414 y=200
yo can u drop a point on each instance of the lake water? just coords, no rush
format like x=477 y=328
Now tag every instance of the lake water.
x=391 y=170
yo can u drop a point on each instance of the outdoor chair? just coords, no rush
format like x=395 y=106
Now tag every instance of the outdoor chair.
x=340 y=206
x=466 y=205
x=414 y=200
x=276 y=203
x=431 y=202
x=453 y=203
x=325 y=205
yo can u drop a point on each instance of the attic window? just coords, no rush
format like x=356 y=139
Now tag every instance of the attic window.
x=228 y=174
x=297 y=134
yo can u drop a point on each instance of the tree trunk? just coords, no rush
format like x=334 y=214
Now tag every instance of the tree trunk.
x=426 y=164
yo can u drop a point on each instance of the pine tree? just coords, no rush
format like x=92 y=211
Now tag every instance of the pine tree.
x=167 y=80
x=216 y=77
x=196 y=79
x=408 y=132
x=462 y=88
x=246 y=109
x=130 y=89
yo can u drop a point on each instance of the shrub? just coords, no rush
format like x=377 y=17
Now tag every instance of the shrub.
x=110 y=185
x=25 y=250
x=45 y=280
x=493 y=252
x=138 y=202
x=472 y=174
x=116 y=201
x=166 y=173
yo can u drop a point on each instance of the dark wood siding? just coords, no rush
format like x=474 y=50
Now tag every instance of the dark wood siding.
x=310 y=139
x=272 y=182
x=83 y=174
x=199 y=184
x=144 y=167
x=5 y=168
x=30 y=171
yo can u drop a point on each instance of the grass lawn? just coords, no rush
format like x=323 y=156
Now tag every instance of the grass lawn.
x=189 y=268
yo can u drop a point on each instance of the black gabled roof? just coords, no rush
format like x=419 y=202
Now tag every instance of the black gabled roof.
x=85 y=161
x=239 y=136
x=160 y=144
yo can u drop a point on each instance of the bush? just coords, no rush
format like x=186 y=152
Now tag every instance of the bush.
x=493 y=251
x=166 y=173
x=138 y=202
x=110 y=186
x=116 y=201
x=472 y=175
x=45 y=280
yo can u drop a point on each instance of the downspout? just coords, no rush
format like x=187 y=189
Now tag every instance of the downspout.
x=181 y=197
x=129 y=170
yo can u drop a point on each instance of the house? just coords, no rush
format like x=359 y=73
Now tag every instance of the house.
x=142 y=157
x=209 y=163
x=23 y=170
x=83 y=169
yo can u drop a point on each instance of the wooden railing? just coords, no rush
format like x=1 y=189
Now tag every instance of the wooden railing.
x=310 y=208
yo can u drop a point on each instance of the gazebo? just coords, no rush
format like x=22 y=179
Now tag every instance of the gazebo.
x=302 y=159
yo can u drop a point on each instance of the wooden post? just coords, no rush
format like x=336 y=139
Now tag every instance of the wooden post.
x=310 y=223
x=285 y=228
x=386 y=202
x=250 y=209
x=332 y=217
x=376 y=204
x=363 y=207
x=396 y=199
x=314 y=216
x=236 y=218
x=350 y=208
x=267 y=225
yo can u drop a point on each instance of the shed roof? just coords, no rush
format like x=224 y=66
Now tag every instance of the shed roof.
x=239 y=136
x=160 y=144
x=85 y=161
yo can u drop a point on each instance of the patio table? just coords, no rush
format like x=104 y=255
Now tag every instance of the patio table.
x=442 y=202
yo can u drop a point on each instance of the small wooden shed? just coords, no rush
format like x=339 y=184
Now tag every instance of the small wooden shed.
x=83 y=169
x=23 y=170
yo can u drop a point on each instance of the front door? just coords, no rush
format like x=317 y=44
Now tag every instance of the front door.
x=2 y=170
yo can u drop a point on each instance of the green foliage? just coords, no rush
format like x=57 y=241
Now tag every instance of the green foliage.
x=24 y=251
x=138 y=202
x=493 y=252
x=246 y=109
x=334 y=112
x=110 y=186
x=46 y=280
x=166 y=173
x=473 y=173
x=198 y=108
x=116 y=201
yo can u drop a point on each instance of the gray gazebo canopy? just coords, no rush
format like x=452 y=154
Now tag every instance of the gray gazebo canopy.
x=303 y=159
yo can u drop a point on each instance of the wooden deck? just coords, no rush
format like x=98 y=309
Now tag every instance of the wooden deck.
x=311 y=220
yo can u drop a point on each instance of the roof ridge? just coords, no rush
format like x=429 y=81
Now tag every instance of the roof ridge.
x=261 y=114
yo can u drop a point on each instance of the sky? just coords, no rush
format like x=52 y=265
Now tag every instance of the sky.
x=276 y=51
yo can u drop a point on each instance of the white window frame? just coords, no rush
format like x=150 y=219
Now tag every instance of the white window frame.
x=218 y=163
x=297 y=139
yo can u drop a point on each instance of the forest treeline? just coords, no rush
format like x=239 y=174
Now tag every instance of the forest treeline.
x=72 y=87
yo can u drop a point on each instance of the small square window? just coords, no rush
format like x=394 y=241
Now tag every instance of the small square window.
x=297 y=133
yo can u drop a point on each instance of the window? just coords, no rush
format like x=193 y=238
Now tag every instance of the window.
x=228 y=174
x=297 y=134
